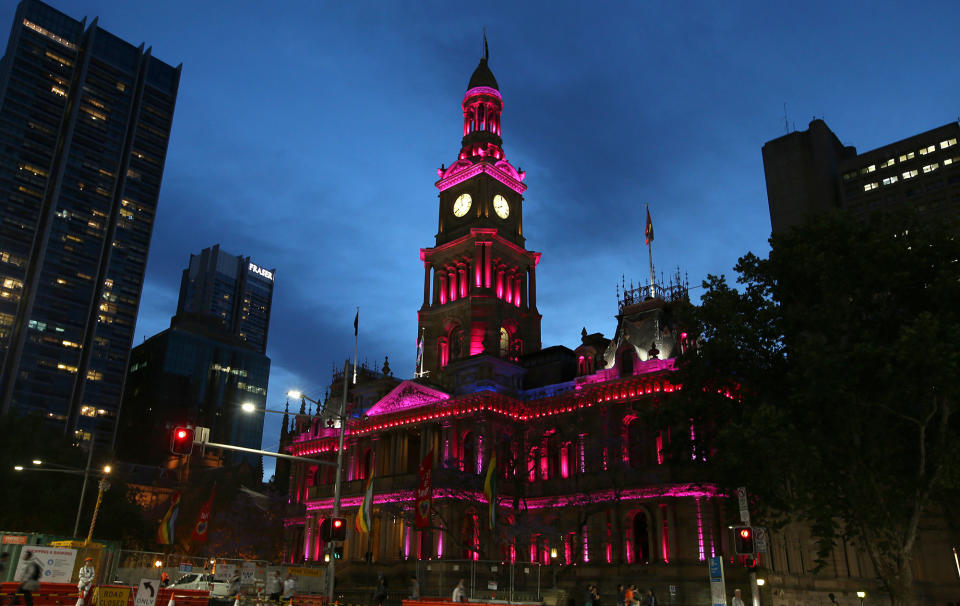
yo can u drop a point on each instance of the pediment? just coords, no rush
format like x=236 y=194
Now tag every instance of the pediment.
x=406 y=396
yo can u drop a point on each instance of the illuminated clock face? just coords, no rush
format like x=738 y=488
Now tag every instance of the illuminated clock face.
x=462 y=205
x=501 y=206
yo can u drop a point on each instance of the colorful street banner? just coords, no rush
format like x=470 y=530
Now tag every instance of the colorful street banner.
x=202 y=527
x=165 y=532
x=424 y=491
x=364 y=520
x=490 y=487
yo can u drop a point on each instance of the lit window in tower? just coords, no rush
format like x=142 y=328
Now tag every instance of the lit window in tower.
x=504 y=342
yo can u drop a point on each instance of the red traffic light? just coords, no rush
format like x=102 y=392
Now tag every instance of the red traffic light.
x=181 y=442
x=745 y=533
x=337 y=523
x=743 y=540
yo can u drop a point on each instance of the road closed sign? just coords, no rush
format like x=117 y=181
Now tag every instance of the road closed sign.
x=111 y=596
x=147 y=593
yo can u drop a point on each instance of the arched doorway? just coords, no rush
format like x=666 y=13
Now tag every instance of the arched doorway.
x=641 y=537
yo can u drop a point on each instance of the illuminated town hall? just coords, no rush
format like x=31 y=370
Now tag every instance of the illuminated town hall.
x=583 y=480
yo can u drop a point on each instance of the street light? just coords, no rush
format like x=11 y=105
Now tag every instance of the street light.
x=248 y=407
x=760 y=582
x=861 y=595
x=57 y=468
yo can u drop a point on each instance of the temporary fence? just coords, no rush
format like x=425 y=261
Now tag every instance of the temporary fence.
x=484 y=580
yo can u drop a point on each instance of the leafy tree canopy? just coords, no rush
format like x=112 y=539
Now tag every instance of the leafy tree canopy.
x=827 y=382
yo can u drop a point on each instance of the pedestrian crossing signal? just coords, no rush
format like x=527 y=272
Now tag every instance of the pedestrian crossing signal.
x=181 y=442
x=743 y=540
x=338 y=553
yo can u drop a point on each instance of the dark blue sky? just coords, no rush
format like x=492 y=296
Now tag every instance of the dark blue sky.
x=307 y=135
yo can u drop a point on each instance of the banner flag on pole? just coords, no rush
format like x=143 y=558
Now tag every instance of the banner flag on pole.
x=424 y=491
x=167 y=522
x=356 y=318
x=364 y=520
x=648 y=230
x=201 y=528
x=490 y=487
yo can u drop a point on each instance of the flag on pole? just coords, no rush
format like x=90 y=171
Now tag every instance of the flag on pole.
x=420 y=351
x=424 y=491
x=490 y=488
x=199 y=534
x=356 y=318
x=648 y=230
x=364 y=520
x=165 y=532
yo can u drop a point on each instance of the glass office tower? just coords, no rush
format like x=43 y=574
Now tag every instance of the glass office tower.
x=84 y=126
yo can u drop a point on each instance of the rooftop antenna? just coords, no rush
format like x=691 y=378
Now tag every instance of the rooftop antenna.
x=786 y=124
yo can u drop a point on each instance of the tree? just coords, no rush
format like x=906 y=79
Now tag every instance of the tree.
x=828 y=383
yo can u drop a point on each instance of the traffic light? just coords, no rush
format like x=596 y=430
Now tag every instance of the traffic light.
x=751 y=563
x=333 y=529
x=338 y=529
x=743 y=540
x=338 y=553
x=181 y=442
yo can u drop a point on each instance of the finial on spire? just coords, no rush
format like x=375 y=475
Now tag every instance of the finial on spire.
x=486 y=49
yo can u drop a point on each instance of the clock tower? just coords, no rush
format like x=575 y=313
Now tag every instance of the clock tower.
x=479 y=312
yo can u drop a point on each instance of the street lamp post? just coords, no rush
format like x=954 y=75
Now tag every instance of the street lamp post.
x=85 y=472
x=341 y=416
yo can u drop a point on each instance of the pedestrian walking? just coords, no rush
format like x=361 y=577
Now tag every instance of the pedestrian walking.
x=634 y=595
x=651 y=598
x=85 y=577
x=273 y=586
x=380 y=593
x=414 y=588
x=29 y=580
x=621 y=595
x=588 y=596
x=596 y=595
x=737 y=600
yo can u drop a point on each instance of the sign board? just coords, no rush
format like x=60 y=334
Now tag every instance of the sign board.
x=56 y=563
x=226 y=572
x=14 y=539
x=111 y=596
x=147 y=592
x=492 y=585
x=185 y=567
x=760 y=539
x=744 y=506
x=248 y=573
x=305 y=572
x=718 y=590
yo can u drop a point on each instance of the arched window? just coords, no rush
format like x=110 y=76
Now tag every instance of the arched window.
x=641 y=537
x=504 y=342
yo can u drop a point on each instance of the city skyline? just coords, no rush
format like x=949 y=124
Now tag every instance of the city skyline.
x=309 y=139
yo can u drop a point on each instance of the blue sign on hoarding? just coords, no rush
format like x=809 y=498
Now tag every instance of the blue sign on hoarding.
x=718 y=591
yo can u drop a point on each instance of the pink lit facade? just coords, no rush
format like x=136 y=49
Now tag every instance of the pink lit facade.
x=580 y=469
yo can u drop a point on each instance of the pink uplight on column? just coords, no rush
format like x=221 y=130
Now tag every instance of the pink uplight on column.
x=565 y=461
x=586 y=545
x=665 y=542
x=701 y=555
x=406 y=542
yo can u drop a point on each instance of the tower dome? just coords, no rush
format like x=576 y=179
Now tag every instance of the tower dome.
x=482 y=76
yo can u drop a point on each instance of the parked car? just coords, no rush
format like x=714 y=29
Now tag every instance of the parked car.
x=218 y=588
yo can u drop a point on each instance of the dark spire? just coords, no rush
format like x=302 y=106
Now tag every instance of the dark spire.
x=482 y=76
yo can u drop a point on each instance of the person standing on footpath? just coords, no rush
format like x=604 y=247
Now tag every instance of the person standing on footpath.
x=289 y=587
x=85 y=577
x=380 y=593
x=737 y=600
x=460 y=592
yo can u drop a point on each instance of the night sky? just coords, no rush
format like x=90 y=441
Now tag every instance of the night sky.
x=307 y=135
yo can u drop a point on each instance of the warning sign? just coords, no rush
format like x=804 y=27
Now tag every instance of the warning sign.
x=111 y=596
x=146 y=593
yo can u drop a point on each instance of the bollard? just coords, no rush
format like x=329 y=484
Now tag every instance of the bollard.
x=171 y=602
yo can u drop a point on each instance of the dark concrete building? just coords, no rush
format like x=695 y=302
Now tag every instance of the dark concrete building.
x=232 y=288
x=194 y=373
x=201 y=370
x=812 y=171
x=84 y=126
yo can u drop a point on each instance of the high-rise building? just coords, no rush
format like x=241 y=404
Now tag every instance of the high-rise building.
x=812 y=171
x=232 y=288
x=84 y=127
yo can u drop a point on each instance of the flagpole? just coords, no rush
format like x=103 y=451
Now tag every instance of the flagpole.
x=423 y=346
x=650 y=253
x=342 y=417
x=356 y=337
